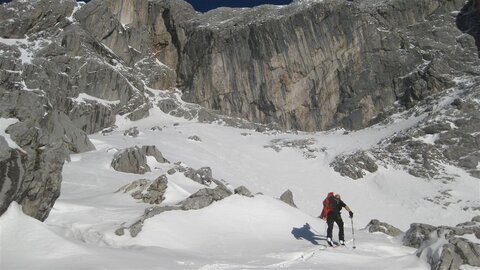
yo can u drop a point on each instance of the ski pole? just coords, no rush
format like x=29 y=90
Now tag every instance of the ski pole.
x=353 y=233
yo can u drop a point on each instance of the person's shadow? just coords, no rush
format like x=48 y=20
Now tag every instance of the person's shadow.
x=306 y=233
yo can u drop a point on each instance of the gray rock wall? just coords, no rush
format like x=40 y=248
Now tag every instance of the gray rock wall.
x=61 y=84
x=320 y=65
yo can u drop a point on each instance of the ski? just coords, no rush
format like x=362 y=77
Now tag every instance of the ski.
x=333 y=244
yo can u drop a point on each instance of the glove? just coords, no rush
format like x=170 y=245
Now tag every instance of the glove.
x=351 y=214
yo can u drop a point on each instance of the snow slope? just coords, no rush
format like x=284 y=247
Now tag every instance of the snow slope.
x=237 y=232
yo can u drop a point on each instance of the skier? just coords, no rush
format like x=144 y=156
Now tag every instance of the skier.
x=332 y=205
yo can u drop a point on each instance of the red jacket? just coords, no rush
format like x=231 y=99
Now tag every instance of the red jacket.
x=326 y=206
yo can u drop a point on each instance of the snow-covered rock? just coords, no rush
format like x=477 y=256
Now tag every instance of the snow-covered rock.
x=242 y=190
x=151 y=192
x=377 y=226
x=202 y=175
x=417 y=234
x=446 y=248
x=205 y=197
x=134 y=159
x=287 y=197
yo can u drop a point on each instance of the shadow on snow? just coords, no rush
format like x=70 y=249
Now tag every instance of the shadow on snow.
x=306 y=233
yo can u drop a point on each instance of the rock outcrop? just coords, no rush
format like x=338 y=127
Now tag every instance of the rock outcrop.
x=32 y=173
x=61 y=83
x=205 y=197
x=355 y=165
x=134 y=159
x=287 y=197
x=377 y=226
x=200 y=199
x=448 y=135
x=417 y=234
x=147 y=191
x=242 y=190
x=446 y=248
x=202 y=175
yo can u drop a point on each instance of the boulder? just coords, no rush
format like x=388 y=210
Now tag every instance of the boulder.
x=287 y=197
x=242 y=190
x=202 y=175
x=151 y=150
x=195 y=138
x=417 y=234
x=154 y=194
x=133 y=159
x=132 y=132
x=377 y=226
x=205 y=197
x=151 y=192
x=130 y=160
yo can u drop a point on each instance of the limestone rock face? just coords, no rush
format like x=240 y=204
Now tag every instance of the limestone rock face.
x=12 y=171
x=58 y=127
x=61 y=83
x=314 y=66
x=32 y=174
x=133 y=29
x=305 y=66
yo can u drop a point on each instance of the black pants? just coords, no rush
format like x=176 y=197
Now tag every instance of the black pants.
x=335 y=217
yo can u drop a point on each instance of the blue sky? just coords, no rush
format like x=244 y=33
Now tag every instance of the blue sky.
x=204 y=5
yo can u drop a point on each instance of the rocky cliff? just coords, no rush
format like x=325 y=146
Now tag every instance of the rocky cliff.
x=317 y=65
x=308 y=65
x=69 y=69
x=61 y=83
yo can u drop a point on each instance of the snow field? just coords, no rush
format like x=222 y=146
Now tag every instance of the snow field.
x=237 y=232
